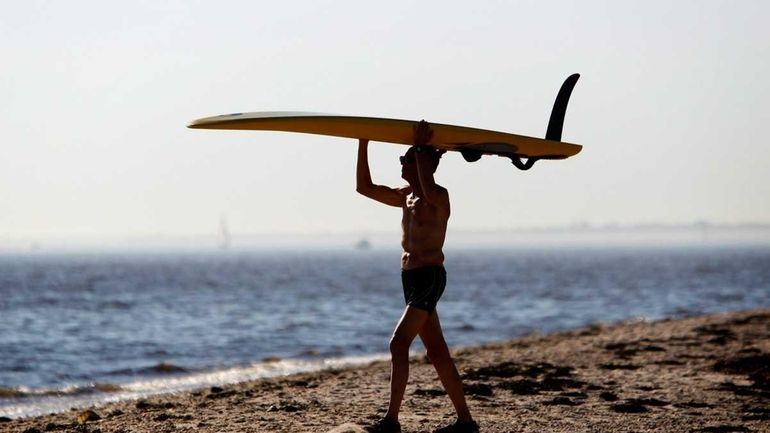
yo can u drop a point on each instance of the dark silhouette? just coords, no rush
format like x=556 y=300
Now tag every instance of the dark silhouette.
x=425 y=213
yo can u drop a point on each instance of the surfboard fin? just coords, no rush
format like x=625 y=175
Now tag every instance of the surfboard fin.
x=556 y=123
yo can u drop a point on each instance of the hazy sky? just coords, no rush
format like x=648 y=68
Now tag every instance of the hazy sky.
x=672 y=110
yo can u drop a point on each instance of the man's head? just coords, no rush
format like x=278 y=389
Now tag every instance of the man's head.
x=409 y=161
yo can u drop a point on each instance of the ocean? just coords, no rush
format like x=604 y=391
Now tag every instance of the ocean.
x=82 y=329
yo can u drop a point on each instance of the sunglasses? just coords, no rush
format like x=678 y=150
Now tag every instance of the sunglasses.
x=406 y=159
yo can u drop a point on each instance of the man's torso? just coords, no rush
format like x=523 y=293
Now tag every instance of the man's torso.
x=424 y=228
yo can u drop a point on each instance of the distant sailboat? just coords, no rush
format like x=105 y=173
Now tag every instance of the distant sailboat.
x=363 y=244
x=224 y=234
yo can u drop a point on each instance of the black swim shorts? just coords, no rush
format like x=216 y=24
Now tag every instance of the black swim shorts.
x=423 y=286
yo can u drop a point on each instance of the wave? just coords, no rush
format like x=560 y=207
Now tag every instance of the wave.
x=20 y=402
x=161 y=368
x=21 y=392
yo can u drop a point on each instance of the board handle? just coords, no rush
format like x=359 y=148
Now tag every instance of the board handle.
x=521 y=165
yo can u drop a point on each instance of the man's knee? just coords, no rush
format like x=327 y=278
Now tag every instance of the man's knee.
x=399 y=344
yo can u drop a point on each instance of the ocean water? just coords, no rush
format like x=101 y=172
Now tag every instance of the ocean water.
x=82 y=329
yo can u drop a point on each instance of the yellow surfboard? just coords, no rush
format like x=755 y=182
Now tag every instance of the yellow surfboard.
x=471 y=142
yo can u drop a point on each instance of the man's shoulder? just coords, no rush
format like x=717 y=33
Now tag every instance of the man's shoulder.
x=442 y=198
x=444 y=191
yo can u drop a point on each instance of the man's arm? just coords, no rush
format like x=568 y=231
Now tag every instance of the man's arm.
x=432 y=193
x=364 y=185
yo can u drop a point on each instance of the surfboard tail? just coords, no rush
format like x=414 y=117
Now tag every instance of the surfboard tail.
x=555 y=123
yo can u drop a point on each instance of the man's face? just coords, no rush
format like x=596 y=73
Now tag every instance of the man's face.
x=408 y=165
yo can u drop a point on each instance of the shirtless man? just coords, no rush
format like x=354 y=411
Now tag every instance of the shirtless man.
x=425 y=207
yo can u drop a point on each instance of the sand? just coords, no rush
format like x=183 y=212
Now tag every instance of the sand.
x=699 y=374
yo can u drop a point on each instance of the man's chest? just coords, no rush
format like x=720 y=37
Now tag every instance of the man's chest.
x=418 y=210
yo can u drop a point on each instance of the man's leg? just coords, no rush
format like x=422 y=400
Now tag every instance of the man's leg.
x=408 y=326
x=438 y=352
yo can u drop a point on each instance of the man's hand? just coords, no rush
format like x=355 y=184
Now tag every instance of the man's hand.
x=422 y=133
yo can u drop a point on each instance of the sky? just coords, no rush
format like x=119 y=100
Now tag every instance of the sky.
x=95 y=97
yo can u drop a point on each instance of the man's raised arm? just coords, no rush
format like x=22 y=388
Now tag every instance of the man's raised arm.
x=426 y=158
x=364 y=185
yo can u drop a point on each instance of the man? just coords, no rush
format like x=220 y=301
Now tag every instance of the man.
x=425 y=207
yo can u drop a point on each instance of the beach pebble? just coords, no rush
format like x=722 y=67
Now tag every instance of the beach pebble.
x=429 y=392
x=725 y=429
x=144 y=405
x=88 y=415
x=629 y=408
x=647 y=402
x=478 y=389
x=347 y=428
x=220 y=394
x=561 y=401
x=52 y=426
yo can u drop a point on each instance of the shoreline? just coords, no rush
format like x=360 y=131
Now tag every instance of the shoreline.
x=706 y=373
x=30 y=404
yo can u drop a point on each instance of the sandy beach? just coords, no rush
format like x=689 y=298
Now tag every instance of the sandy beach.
x=699 y=374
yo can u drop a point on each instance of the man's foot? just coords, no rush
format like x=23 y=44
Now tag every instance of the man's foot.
x=460 y=427
x=384 y=425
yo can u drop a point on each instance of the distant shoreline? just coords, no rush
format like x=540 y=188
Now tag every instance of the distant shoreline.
x=581 y=234
x=705 y=373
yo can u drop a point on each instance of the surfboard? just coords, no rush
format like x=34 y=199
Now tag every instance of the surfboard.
x=472 y=143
